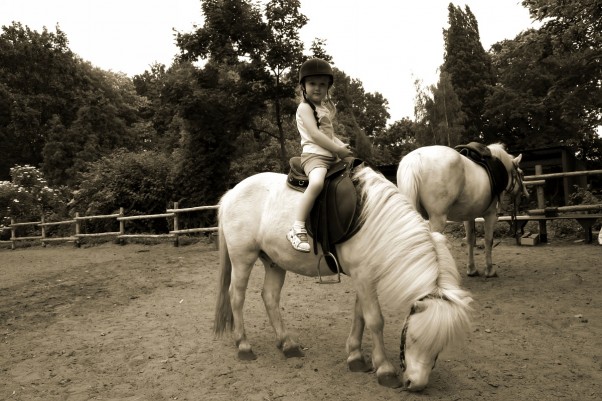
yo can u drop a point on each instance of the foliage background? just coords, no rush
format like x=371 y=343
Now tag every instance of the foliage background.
x=95 y=140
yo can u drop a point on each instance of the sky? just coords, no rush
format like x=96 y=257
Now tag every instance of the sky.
x=385 y=44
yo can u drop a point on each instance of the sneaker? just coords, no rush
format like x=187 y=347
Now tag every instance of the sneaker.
x=298 y=239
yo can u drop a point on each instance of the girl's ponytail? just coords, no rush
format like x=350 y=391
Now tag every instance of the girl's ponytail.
x=313 y=107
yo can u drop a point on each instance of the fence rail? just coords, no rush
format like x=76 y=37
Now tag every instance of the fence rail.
x=585 y=215
x=120 y=235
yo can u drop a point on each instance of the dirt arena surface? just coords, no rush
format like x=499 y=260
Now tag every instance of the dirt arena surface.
x=134 y=322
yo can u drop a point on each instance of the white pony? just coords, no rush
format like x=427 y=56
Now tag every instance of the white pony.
x=393 y=258
x=445 y=185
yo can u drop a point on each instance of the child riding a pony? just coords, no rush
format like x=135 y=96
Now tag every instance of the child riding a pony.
x=321 y=148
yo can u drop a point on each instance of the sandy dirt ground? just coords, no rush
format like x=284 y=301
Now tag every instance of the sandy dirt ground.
x=134 y=322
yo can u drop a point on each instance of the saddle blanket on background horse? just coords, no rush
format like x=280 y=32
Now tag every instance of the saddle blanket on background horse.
x=334 y=216
x=481 y=155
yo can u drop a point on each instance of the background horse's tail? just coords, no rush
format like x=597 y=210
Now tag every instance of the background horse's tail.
x=449 y=279
x=223 y=309
x=408 y=178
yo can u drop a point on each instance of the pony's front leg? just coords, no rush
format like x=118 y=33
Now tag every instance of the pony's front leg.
x=490 y=221
x=355 y=359
x=469 y=226
x=272 y=287
x=385 y=371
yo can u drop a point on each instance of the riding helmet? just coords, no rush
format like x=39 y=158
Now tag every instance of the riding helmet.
x=315 y=66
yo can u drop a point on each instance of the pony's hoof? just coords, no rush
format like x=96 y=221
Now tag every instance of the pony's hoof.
x=293 y=352
x=473 y=274
x=389 y=380
x=491 y=275
x=359 y=365
x=246 y=355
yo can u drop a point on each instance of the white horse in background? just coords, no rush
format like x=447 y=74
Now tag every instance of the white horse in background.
x=444 y=185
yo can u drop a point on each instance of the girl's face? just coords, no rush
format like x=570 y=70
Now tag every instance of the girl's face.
x=316 y=87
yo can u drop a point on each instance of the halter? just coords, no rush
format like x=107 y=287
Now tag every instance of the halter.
x=516 y=176
x=404 y=332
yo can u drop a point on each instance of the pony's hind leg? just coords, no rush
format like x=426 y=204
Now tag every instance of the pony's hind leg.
x=272 y=287
x=355 y=359
x=471 y=269
x=490 y=221
x=238 y=288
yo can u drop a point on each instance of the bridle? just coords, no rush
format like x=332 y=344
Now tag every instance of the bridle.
x=404 y=333
x=516 y=178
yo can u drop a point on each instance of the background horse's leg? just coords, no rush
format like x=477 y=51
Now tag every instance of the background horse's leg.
x=385 y=371
x=469 y=226
x=272 y=286
x=490 y=221
x=238 y=287
x=355 y=359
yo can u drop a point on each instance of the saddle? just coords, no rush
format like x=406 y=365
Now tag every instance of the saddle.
x=334 y=216
x=481 y=155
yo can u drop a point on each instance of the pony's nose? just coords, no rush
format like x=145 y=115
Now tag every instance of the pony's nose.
x=410 y=385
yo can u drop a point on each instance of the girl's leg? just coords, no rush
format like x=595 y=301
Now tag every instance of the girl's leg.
x=298 y=234
x=316 y=183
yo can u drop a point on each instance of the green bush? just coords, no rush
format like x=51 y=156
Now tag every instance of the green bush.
x=139 y=182
x=27 y=197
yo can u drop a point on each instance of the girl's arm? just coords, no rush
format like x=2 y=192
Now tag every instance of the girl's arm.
x=333 y=145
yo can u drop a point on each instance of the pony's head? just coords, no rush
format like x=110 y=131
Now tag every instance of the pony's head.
x=433 y=324
x=436 y=321
x=515 y=186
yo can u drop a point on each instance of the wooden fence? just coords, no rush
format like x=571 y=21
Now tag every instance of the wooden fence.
x=585 y=215
x=120 y=235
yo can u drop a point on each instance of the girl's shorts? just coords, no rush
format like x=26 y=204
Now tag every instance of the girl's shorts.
x=310 y=161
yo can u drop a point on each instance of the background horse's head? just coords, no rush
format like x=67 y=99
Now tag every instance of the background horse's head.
x=515 y=186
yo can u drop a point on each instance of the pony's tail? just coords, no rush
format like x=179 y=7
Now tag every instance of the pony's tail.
x=223 y=309
x=408 y=178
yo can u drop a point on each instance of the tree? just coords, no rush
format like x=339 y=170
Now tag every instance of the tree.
x=440 y=118
x=38 y=79
x=549 y=91
x=59 y=112
x=396 y=141
x=469 y=68
x=574 y=29
x=105 y=120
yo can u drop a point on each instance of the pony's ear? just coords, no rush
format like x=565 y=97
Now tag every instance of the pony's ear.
x=517 y=159
x=419 y=306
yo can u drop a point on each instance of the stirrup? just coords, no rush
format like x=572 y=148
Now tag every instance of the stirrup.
x=333 y=281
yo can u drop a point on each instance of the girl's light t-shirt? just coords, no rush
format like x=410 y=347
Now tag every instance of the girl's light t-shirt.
x=326 y=128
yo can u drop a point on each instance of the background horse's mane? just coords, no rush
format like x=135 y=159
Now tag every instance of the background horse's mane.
x=411 y=262
x=499 y=150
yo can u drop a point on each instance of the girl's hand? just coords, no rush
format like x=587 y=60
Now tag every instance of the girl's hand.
x=344 y=151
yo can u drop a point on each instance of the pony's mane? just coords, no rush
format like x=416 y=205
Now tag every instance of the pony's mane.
x=499 y=150
x=411 y=262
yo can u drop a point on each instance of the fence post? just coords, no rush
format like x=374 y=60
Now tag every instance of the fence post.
x=176 y=224
x=77 y=229
x=541 y=204
x=43 y=229
x=13 y=233
x=121 y=241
